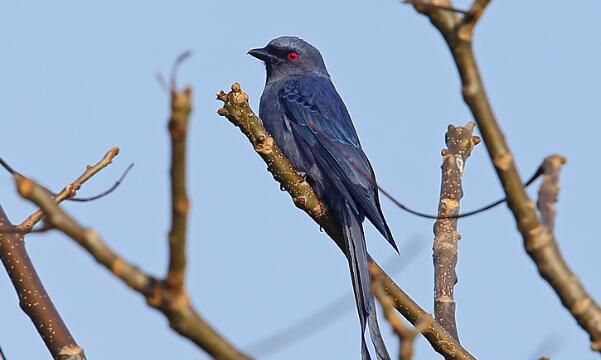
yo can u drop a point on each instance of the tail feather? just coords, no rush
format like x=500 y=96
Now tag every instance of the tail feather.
x=358 y=264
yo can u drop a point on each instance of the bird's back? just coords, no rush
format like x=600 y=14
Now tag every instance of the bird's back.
x=310 y=123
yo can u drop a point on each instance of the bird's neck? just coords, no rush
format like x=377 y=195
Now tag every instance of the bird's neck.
x=274 y=76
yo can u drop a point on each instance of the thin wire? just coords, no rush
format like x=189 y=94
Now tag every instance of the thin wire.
x=539 y=171
x=7 y=167
x=317 y=321
x=13 y=172
x=536 y=175
x=106 y=192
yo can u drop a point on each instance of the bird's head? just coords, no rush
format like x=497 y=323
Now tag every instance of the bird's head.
x=288 y=55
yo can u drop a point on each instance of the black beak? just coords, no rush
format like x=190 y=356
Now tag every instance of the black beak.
x=264 y=55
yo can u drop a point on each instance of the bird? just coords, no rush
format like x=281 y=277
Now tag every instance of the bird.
x=310 y=123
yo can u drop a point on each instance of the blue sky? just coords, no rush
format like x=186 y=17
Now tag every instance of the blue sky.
x=77 y=78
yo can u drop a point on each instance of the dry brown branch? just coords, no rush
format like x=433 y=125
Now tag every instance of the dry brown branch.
x=239 y=113
x=437 y=336
x=70 y=190
x=181 y=106
x=539 y=242
x=460 y=143
x=33 y=298
x=169 y=295
x=406 y=336
x=175 y=306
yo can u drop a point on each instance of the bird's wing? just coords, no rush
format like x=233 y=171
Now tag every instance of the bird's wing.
x=319 y=115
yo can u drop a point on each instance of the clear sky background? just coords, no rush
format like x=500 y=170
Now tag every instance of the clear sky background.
x=78 y=77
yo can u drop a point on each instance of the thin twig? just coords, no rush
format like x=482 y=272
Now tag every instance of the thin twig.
x=539 y=242
x=70 y=190
x=239 y=113
x=460 y=143
x=33 y=298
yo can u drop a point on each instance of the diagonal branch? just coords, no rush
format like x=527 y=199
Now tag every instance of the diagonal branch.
x=169 y=295
x=33 y=298
x=460 y=143
x=406 y=336
x=176 y=307
x=539 y=241
x=70 y=190
x=239 y=113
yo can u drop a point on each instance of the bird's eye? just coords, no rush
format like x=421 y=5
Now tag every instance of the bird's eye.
x=292 y=56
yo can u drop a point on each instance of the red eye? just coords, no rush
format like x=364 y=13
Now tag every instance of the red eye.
x=292 y=56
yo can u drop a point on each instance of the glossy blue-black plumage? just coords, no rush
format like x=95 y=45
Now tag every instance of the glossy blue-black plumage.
x=310 y=123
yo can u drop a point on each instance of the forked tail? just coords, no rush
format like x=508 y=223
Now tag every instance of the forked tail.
x=356 y=253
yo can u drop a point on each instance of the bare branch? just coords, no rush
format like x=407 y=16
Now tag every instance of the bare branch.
x=176 y=307
x=70 y=190
x=437 y=336
x=169 y=295
x=460 y=143
x=406 y=336
x=181 y=106
x=239 y=113
x=33 y=298
x=539 y=242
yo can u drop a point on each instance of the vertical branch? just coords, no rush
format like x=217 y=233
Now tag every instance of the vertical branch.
x=181 y=106
x=460 y=143
x=33 y=298
x=539 y=241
